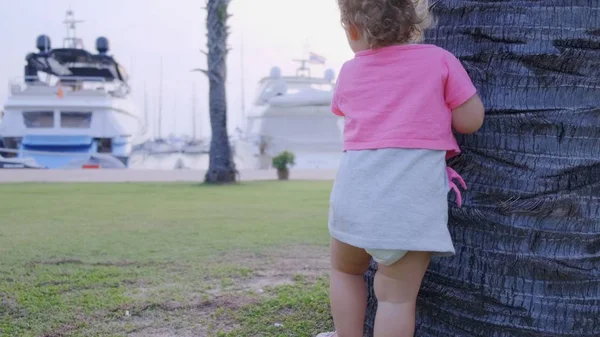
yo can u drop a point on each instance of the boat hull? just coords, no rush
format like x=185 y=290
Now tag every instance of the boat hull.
x=312 y=133
x=73 y=129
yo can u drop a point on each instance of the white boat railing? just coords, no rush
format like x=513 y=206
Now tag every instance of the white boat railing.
x=69 y=84
x=64 y=154
x=19 y=84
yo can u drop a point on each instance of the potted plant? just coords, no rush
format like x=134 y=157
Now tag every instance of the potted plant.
x=282 y=162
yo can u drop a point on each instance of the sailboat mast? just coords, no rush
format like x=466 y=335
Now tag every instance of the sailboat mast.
x=243 y=79
x=174 y=114
x=146 y=116
x=160 y=100
x=194 y=111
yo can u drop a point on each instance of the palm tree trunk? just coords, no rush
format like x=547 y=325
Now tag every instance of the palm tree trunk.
x=221 y=165
x=528 y=236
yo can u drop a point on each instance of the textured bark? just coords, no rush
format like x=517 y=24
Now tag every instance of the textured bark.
x=528 y=236
x=221 y=167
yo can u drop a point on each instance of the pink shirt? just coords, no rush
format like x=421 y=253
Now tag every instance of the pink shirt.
x=401 y=97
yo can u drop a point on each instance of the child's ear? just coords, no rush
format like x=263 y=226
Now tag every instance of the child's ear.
x=353 y=32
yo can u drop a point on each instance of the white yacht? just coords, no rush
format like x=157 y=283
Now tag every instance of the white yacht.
x=292 y=113
x=72 y=108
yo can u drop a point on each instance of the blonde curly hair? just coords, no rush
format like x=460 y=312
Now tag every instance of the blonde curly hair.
x=387 y=22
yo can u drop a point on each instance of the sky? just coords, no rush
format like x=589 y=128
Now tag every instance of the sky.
x=142 y=32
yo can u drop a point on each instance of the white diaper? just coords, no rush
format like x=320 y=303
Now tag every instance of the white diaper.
x=386 y=257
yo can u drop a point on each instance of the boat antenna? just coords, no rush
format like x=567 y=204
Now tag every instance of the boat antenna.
x=71 y=40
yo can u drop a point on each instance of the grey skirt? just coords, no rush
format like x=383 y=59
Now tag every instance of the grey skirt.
x=392 y=199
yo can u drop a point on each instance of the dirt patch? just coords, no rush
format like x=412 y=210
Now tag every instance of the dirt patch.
x=198 y=318
x=277 y=267
x=245 y=272
x=231 y=301
x=66 y=329
x=119 y=264
x=260 y=283
x=62 y=331
x=59 y=262
x=203 y=312
x=166 y=332
x=66 y=261
x=7 y=304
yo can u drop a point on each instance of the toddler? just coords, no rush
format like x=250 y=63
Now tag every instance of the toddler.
x=401 y=101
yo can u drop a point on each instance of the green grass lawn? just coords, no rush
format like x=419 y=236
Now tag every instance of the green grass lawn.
x=163 y=259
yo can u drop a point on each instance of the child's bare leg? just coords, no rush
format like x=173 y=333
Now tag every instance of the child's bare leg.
x=396 y=289
x=348 y=291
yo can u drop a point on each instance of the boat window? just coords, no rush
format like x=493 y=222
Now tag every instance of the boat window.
x=75 y=120
x=323 y=87
x=295 y=88
x=39 y=119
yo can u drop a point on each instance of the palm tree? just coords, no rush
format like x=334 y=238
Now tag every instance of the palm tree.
x=528 y=235
x=221 y=165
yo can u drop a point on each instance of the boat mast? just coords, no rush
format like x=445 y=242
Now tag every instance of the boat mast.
x=193 y=111
x=304 y=70
x=146 y=117
x=243 y=80
x=174 y=114
x=160 y=100
x=71 y=40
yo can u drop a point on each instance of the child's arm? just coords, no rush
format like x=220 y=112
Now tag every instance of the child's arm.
x=468 y=117
x=462 y=99
x=335 y=104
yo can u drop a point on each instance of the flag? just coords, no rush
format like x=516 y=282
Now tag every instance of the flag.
x=318 y=59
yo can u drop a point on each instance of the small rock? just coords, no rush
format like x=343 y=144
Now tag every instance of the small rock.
x=278 y=325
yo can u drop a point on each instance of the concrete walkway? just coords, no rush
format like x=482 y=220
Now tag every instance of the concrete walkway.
x=120 y=176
